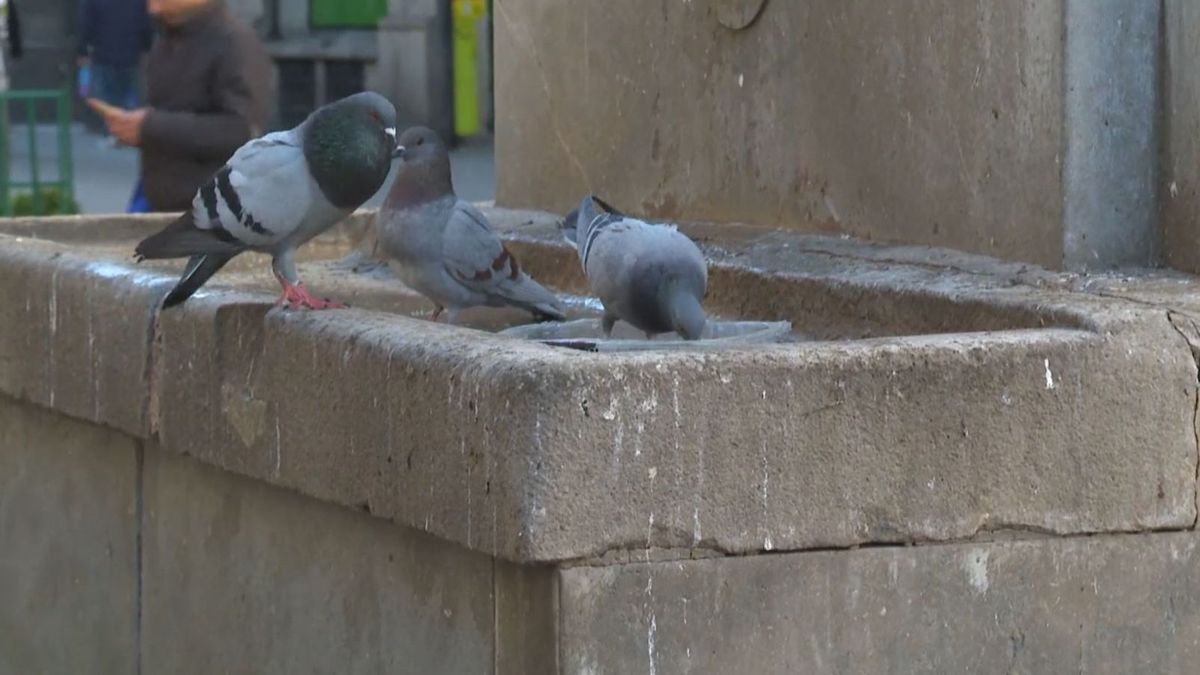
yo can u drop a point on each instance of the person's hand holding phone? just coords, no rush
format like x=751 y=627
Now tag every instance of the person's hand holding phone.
x=124 y=125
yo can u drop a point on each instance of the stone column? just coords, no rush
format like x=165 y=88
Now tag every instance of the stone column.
x=1112 y=122
x=1025 y=131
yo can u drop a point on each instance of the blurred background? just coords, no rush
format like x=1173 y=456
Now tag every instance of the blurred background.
x=432 y=58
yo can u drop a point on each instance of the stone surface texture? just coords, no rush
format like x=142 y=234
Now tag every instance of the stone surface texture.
x=252 y=574
x=116 y=560
x=1115 y=604
x=1025 y=130
x=1179 y=180
x=68 y=551
x=825 y=115
x=968 y=420
x=942 y=398
x=1112 y=128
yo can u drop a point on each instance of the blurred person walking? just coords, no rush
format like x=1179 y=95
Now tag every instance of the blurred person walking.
x=209 y=88
x=113 y=36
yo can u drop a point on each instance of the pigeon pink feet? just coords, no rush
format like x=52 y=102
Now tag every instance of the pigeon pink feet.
x=296 y=295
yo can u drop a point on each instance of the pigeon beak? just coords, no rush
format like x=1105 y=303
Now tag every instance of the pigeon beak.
x=398 y=151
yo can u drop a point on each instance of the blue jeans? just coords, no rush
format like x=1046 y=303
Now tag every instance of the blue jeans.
x=116 y=85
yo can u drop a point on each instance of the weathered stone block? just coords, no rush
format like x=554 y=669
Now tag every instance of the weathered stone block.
x=238 y=575
x=526 y=619
x=1179 y=177
x=1112 y=604
x=1024 y=130
x=68 y=552
x=1085 y=425
x=77 y=336
x=929 y=122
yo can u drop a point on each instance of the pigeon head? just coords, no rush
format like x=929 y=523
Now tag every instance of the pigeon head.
x=663 y=297
x=349 y=146
x=421 y=144
x=424 y=172
x=373 y=110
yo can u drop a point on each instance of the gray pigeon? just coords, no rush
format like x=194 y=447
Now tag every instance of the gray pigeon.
x=649 y=275
x=443 y=246
x=279 y=191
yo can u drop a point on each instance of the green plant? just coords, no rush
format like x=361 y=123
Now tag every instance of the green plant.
x=54 y=202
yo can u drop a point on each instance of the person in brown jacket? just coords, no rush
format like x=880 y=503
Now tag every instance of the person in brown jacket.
x=209 y=90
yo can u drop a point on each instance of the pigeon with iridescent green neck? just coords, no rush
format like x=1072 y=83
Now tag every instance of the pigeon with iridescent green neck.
x=279 y=191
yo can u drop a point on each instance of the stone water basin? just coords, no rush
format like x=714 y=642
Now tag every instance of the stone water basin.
x=922 y=396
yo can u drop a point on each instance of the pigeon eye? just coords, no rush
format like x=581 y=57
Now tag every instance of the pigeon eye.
x=420 y=141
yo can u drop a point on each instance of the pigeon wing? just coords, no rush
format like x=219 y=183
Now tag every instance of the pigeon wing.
x=260 y=196
x=472 y=253
x=476 y=258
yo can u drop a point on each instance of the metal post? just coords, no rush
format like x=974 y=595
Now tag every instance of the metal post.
x=34 y=174
x=5 y=139
x=66 y=167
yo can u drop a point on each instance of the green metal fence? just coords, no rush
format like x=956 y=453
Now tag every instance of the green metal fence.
x=38 y=185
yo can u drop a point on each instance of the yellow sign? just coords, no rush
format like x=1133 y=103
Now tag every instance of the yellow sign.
x=465 y=21
x=469 y=9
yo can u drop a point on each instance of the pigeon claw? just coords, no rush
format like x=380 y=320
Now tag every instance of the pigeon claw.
x=296 y=296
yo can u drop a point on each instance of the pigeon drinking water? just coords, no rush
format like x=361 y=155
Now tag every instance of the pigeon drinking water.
x=443 y=246
x=649 y=275
x=279 y=191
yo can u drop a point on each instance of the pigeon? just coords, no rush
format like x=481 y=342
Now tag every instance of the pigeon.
x=444 y=247
x=649 y=275
x=279 y=191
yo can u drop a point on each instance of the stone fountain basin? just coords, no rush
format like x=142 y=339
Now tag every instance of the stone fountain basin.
x=922 y=396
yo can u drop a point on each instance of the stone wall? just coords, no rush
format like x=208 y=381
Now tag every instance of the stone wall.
x=1023 y=130
x=145 y=561
x=1179 y=186
x=226 y=485
x=141 y=560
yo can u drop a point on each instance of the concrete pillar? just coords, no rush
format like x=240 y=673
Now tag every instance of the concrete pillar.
x=1179 y=184
x=1112 y=104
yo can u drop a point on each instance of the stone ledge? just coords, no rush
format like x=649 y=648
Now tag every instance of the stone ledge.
x=981 y=401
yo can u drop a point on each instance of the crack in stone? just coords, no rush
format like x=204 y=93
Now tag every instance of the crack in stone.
x=1193 y=342
x=1002 y=533
x=154 y=337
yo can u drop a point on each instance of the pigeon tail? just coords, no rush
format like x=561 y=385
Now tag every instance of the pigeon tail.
x=589 y=223
x=532 y=297
x=569 y=227
x=544 y=313
x=606 y=206
x=200 y=269
x=182 y=238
